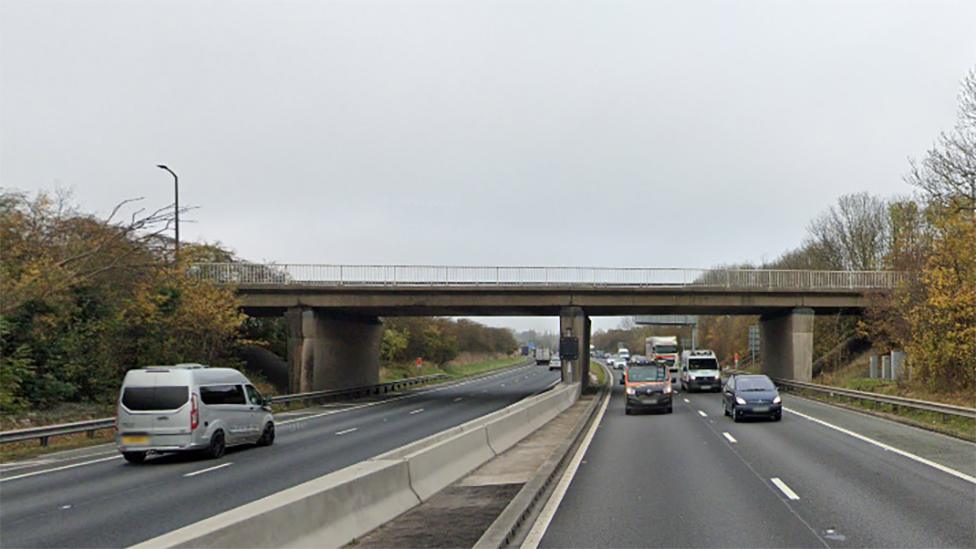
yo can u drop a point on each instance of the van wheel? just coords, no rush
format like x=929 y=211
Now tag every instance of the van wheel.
x=670 y=410
x=268 y=435
x=217 y=446
x=134 y=457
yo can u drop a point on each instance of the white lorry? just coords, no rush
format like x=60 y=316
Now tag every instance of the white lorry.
x=663 y=348
x=542 y=356
x=624 y=355
x=700 y=371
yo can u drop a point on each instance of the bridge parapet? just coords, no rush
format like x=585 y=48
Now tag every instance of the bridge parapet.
x=273 y=274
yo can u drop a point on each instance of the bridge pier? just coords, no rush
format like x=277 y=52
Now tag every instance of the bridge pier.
x=787 y=344
x=329 y=351
x=574 y=322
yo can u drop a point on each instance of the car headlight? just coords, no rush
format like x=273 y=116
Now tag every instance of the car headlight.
x=777 y=400
x=631 y=391
x=740 y=400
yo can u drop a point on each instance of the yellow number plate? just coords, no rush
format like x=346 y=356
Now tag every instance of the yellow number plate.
x=135 y=439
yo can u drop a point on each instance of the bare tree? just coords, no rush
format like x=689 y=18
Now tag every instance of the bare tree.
x=855 y=234
x=947 y=174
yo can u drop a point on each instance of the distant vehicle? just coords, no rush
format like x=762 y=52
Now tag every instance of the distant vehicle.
x=189 y=407
x=542 y=356
x=636 y=360
x=555 y=363
x=700 y=371
x=611 y=362
x=751 y=396
x=664 y=348
x=648 y=387
x=624 y=354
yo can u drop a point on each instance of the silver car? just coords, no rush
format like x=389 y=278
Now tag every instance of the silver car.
x=189 y=407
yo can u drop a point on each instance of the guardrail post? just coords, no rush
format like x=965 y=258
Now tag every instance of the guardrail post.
x=44 y=441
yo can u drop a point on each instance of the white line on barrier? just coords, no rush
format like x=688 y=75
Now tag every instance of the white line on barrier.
x=883 y=446
x=208 y=469
x=62 y=468
x=417 y=411
x=730 y=438
x=549 y=511
x=702 y=414
x=784 y=488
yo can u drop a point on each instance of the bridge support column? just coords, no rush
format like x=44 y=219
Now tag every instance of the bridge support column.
x=787 y=345
x=574 y=322
x=327 y=351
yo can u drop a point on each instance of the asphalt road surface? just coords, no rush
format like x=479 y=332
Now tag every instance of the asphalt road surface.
x=97 y=499
x=696 y=479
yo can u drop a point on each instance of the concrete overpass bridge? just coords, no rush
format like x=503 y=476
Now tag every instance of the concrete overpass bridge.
x=333 y=311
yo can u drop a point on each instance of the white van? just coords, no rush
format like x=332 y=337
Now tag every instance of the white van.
x=700 y=371
x=189 y=407
x=624 y=354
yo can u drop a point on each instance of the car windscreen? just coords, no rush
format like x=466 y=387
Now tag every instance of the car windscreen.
x=222 y=394
x=647 y=373
x=702 y=364
x=668 y=349
x=754 y=384
x=154 y=398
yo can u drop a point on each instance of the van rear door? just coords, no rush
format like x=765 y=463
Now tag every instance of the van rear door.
x=160 y=410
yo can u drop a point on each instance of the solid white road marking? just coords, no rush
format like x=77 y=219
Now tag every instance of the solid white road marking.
x=347 y=431
x=458 y=399
x=730 y=438
x=784 y=488
x=417 y=411
x=549 y=511
x=394 y=399
x=62 y=468
x=702 y=414
x=686 y=400
x=208 y=469
x=884 y=446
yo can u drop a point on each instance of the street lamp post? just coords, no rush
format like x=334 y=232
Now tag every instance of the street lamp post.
x=176 y=206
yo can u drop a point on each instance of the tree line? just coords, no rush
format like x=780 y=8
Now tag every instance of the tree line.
x=85 y=298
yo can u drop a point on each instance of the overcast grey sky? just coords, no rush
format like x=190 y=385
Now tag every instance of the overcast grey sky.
x=647 y=133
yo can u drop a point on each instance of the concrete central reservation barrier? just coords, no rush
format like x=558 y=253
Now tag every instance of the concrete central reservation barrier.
x=334 y=509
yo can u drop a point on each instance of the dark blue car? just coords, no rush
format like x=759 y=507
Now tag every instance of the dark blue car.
x=751 y=396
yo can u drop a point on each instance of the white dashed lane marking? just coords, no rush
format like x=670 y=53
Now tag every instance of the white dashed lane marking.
x=208 y=469
x=784 y=488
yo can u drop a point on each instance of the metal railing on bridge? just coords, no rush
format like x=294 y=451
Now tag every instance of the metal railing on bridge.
x=434 y=275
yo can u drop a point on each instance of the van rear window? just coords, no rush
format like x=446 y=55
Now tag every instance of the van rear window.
x=154 y=398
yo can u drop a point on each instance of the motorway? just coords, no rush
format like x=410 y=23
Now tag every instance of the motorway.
x=696 y=479
x=100 y=500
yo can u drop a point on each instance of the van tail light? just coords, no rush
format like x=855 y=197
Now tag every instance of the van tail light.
x=194 y=413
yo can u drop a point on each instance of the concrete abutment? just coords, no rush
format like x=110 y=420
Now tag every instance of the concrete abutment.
x=787 y=344
x=331 y=351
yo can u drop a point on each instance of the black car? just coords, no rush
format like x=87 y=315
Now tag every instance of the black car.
x=751 y=396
